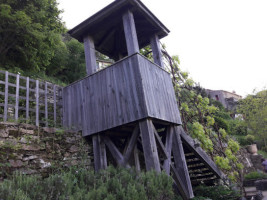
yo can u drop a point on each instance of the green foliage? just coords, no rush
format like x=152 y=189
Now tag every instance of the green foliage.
x=254 y=111
x=215 y=193
x=29 y=32
x=237 y=127
x=255 y=175
x=81 y=183
x=250 y=139
x=221 y=123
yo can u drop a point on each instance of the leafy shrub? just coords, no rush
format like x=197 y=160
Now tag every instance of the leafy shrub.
x=215 y=192
x=255 y=175
x=250 y=139
x=221 y=123
x=77 y=183
x=238 y=127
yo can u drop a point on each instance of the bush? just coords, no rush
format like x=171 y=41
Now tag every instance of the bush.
x=76 y=183
x=250 y=139
x=215 y=192
x=255 y=175
x=221 y=123
x=238 y=127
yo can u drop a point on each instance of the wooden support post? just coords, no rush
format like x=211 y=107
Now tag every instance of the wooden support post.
x=6 y=96
x=90 y=58
x=46 y=108
x=168 y=147
x=37 y=103
x=155 y=46
x=130 y=33
x=149 y=145
x=100 y=160
x=17 y=98
x=136 y=159
x=27 y=97
x=55 y=104
x=180 y=162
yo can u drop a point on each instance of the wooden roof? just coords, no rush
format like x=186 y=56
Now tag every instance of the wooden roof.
x=106 y=27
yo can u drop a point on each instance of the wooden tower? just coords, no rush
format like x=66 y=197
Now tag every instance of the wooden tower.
x=129 y=109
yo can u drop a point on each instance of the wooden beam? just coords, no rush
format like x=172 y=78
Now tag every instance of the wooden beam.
x=37 y=102
x=201 y=154
x=160 y=144
x=90 y=58
x=168 y=147
x=6 y=96
x=99 y=153
x=17 y=98
x=136 y=159
x=130 y=33
x=131 y=145
x=180 y=184
x=149 y=145
x=156 y=50
x=114 y=150
x=27 y=97
x=180 y=162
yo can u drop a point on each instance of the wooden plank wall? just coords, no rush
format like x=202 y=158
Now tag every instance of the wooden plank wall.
x=159 y=93
x=27 y=100
x=131 y=89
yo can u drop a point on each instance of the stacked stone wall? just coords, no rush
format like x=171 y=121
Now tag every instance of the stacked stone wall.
x=35 y=150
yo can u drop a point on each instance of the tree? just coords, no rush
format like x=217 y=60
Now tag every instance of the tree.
x=29 y=33
x=254 y=111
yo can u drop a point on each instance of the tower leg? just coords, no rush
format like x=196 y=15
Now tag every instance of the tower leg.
x=100 y=158
x=149 y=145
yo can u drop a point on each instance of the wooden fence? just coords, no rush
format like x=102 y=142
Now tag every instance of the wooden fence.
x=26 y=100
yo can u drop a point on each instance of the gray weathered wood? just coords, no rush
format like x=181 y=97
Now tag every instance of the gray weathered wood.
x=130 y=33
x=17 y=98
x=117 y=155
x=27 y=97
x=130 y=90
x=156 y=50
x=161 y=147
x=37 y=103
x=97 y=153
x=168 y=146
x=90 y=58
x=55 y=104
x=131 y=145
x=6 y=96
x=180 y=162
x=149 y=145
x=199 y=152
x=103 y=155
x=46 y=106
x=136 y=159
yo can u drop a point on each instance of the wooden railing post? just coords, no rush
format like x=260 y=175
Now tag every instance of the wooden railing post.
x=37 y=103
x=156 y=50
x=55 y=104
x=6 y=96
x=90 y=58
x=46 y=108
x=27 y=97
x=17 y=98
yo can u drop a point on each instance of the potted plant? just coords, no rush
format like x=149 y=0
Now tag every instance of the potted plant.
x=252 y=148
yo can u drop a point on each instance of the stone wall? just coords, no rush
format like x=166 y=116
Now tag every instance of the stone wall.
x=31 y=150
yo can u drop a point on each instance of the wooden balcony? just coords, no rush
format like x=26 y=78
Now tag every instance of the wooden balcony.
x=132 y=89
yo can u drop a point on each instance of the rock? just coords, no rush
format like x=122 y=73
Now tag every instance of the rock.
x=26 y=131
x=28 y=126
x=44 y=164
x=13 y=132
x=28 y=171
x=49 y=130
x=74 y=149
x=30 y=158
x=70 y=140
x=23 y=140
x=16 y=163
x=3 y=133
x=32 y=147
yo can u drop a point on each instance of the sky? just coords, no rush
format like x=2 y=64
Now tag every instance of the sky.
x=221 y=43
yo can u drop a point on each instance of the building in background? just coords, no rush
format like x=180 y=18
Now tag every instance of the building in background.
x=228 y=99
